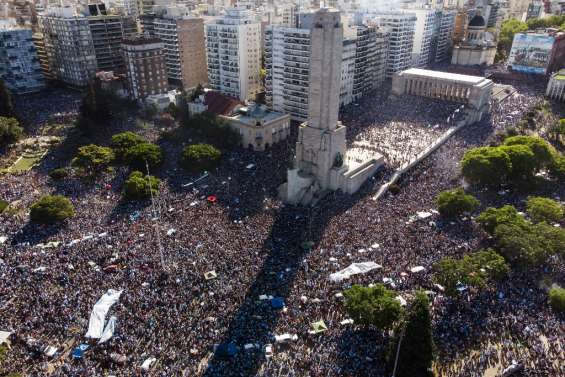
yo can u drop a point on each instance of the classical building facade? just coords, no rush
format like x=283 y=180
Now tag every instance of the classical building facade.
x=473 y=91
x=478 y=47
x=556 y=86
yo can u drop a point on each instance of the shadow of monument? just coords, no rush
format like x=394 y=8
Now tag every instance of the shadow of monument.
x=293 y=228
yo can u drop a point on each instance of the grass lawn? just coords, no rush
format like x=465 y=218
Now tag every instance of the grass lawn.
x=25 y=162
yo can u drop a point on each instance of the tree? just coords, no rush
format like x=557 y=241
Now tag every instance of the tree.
x=51 y=209
x=492 y=217
x=214 y=129
x=144 y=153
x=543 y=153
x=139 y=187
x=198 y=157
x=557 y=168
x=475 y=269
x=92 y=158
x=198 y=91
x=544 y=209
x=486 y=166
x=522 y=160
x=416 y=352
x=557 y=299
x=374 y=306
x=453 y=203
x=6 y=105
x=95 y=109
x=58 y=174
x=522 y=245
x=123 y=141
x=507 y=31
x=10 y=131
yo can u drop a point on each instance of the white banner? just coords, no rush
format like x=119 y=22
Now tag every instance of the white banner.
x=98 y=315
x=354 y=269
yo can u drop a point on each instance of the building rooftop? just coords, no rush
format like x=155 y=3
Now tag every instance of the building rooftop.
x=253 y=114
x=467 y=79
x=559 y=75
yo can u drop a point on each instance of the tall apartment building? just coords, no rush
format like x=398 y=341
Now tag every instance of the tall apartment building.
x=184 y=47
x=423 y=35
x=234 y=54
x=442 y=37
x=107 y=32
x=370 y=59
x=68 y=45
x=400 y=28
x=287 y=62
x=347 y=71
x=19 y=64
x=146 y=67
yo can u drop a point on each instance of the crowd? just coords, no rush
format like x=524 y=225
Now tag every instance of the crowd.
x=184 y=316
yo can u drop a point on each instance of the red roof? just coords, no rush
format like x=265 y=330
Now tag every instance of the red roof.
x=219 y=103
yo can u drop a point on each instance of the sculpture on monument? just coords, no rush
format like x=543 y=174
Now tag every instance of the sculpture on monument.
x=321 y=140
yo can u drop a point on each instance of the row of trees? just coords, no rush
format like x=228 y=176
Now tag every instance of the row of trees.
x=517 y=160
x=411 y=350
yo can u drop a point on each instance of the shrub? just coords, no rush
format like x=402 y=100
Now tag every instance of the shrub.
x=375 y=306
x=10 y=131
x=543 y=153
x=93 y=158
x=123 y=141
x=474 y=269
x=492 y=217
x=3 y=205
x=51 y=209
x=544 y=209
x=58 y=174
x=139 y=187
x=522 y=160
x=138 y=155
x=453 y=203
x=198 y=157
x=557 y=168
x=557 y=299
x=529 y=245
x=486 y=166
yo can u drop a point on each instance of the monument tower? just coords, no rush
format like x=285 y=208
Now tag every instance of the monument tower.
x=320 y=161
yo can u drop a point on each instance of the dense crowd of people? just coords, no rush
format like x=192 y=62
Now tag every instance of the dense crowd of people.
x=206 y=307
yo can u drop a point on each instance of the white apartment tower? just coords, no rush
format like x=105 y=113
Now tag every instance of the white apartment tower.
x=68 y=45
x=400 y=28
x=234 y=54
x=443 y=34
x=423 y=34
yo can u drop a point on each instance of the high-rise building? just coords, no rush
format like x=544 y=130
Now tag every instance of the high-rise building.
x=68 y=45
x=423 y=35
x=370 y=59
x=146 y=68
x=184 y=46
x=442 y=37
x=400 y=28
x=287 y=63
x=107 y=33
x=39 y=43
x=234 y=54
x=19 y=64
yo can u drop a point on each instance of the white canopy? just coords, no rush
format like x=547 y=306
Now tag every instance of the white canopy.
x=354 y=269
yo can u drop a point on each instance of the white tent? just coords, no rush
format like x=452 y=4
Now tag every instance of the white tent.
x=354 y=269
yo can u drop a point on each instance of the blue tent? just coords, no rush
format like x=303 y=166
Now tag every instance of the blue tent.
x=277 y=303
x=79 y=351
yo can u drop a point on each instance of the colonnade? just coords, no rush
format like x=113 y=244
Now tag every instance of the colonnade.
x=437 y=89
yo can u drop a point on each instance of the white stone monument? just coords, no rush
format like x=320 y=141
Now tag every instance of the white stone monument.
x=320 y=161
